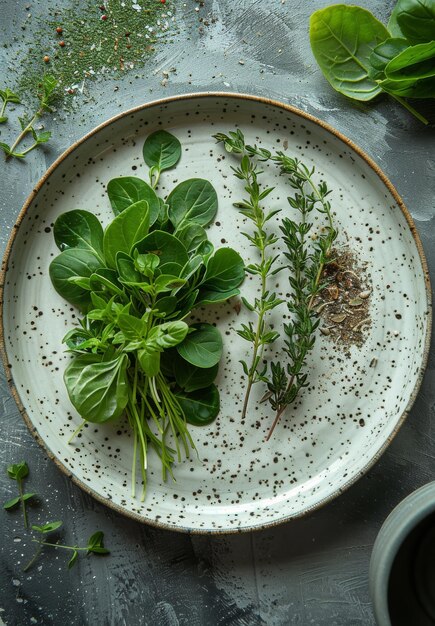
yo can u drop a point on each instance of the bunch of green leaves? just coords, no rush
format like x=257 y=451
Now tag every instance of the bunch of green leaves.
x=258 y=333
x=306 y=257
x=95 y=544
x=46 y=96
x=362 y=58
x=135 y=282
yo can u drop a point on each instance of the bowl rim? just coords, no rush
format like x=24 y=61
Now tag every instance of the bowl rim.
x=402 y=520
x=306 y=116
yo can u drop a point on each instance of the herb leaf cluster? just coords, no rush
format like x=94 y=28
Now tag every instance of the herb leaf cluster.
x=362 y=58
x=46 y=95
x=95 y=544
x=308 y=250
x=135 y=282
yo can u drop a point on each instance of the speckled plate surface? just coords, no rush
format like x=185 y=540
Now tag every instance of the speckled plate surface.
x=358 y=396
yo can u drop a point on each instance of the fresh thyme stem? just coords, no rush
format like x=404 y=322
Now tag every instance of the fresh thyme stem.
x=261 y=239
x=306 y=267
x=34 y=557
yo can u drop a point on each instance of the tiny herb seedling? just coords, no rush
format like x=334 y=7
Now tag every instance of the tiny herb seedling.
x=95 y=544
x=18 y=472
x=46 y=97
x=7 y=96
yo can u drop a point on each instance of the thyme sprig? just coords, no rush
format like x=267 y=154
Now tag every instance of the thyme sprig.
x=308 y=250
x=258 y=333
x=307 y=254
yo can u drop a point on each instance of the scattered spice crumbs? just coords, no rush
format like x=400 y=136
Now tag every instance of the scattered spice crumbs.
x=81 y=44
x=344 y=305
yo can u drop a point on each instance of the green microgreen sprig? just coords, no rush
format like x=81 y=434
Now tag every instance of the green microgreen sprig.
x=46 y=96
x=18 y=472
x=95 y=544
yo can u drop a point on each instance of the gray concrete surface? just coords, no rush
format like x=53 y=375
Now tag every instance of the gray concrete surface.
x=311 y=571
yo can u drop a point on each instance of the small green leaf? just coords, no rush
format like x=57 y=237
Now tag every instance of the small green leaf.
x=10 y=504
x=73 y=262
x=73 y=559
x=43 y=137
x=18 y=471
x=3 y=119
x=161 y=150
x=127 y=190
x=9 y=96
x=382 y=55
x=225 y=271
x=202 y=347
x=200 y=407
x=47 y=528
x=194 y=200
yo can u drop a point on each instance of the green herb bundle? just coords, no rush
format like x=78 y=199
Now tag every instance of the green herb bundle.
x=136 y=282
x=308 y=250
x=362 y=58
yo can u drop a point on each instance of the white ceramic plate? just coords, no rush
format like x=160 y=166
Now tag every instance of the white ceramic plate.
x=344 y=420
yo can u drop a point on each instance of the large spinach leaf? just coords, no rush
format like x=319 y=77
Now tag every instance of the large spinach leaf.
x=194 y=200
x=202 y=346
x=79 y=229
x=125 y=230
x=73 y=264
x=167 y=247
x=200 y=407
x=342 y=39
x=383 y=54
x=413 y=63
x=127 y=190
x=98 y=389
x=191 y=378
x=225 y=271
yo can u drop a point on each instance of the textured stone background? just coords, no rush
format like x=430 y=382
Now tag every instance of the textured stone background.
x=310 y=571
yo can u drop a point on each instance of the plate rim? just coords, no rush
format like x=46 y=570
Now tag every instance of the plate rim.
x=169 y=100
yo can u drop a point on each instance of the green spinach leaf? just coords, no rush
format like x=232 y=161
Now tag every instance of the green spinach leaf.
x=383 y=54
x=98 y=389
x=73 y=262
x=414 y=19
x=125 y=230
x=225 y=271
x=200 y=407
x=191 y=236
x=193 y=200
x=191 y=378
x=167 y=247
x=79 y=229
x=161 y=150
x=342 y=39
x=202 y=346
x=127 y=190
x=413 y=63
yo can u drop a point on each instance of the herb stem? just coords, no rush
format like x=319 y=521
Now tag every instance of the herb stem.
x=24 y=132
x=2 y=112
x=410 y=108
x=77 y=430
x=58 y=545
x=23 y=504
x=34 y=557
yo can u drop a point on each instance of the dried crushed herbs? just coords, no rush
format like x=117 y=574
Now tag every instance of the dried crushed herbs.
x=344 y=305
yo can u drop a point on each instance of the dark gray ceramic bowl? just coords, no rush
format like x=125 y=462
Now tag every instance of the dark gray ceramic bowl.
x=402 y=566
